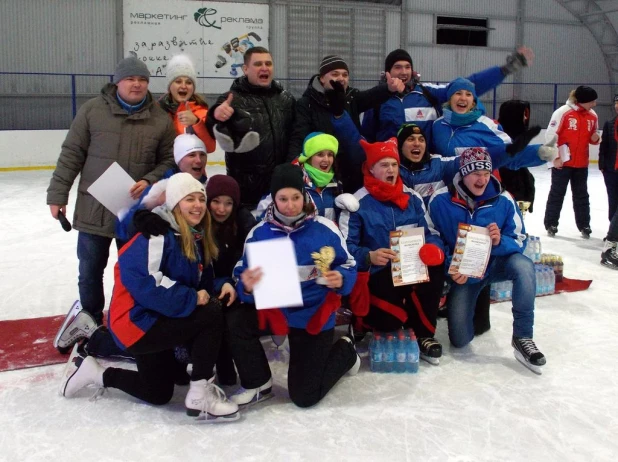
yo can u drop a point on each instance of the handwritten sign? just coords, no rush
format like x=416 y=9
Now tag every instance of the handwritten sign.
x=214 y=35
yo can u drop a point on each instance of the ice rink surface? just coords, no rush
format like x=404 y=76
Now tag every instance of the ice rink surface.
x=478 y=404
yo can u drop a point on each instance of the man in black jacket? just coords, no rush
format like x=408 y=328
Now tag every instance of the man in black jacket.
x=608 y=164
x=313 y=112
x=271 y=111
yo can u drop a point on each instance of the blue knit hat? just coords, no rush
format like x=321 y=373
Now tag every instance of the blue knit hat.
x=460 y=84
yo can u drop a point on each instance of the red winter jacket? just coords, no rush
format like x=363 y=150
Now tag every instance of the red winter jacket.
x=574 y=126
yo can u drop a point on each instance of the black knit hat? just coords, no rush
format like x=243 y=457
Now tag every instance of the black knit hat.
x=397 y=55
x=616 y=97
x=332 y=62
x=405 y=131
x=287 y=176
x=585 y=94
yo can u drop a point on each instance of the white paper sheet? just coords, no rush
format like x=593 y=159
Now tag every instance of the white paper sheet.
x=112 y=190
x=279 y=286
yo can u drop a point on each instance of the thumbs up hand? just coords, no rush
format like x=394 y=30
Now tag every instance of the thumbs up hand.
x=225 y=109
x=395 y=85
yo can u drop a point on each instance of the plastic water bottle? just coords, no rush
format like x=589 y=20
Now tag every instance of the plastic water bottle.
x=400 y=353
x=552 y=281
x=501 y=291
x=389 y=354
x=509 y=290
x=376 y=352
x=493 y=292
x=413 y=353
x=539 y=250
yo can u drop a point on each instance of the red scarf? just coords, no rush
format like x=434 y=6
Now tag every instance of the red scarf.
x=385 y=192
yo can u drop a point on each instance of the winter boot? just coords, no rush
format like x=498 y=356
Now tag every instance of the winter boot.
x=244 y=396
x=586 y=232
x=430 y=349
x=208 y=403
x=79 y=373
x=552 y=230
x=528 y=354
x=356 y=366
x=77 y=325
x=609 y=256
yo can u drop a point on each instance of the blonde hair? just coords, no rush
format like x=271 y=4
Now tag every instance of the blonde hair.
x=572 y=96
x=211 y=251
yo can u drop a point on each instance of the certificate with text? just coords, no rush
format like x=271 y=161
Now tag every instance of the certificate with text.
x=407 y=267
x=472 y=251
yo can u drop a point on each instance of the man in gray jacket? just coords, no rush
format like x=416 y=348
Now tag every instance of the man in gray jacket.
x=123 y=124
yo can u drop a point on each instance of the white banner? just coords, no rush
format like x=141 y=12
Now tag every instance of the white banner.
x=215 y=35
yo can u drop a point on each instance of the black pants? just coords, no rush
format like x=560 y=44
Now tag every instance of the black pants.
x=579 y=188
x=316 y=365
x=611 y=184
x=419 y=302
x=153 y=381
x=612 y=234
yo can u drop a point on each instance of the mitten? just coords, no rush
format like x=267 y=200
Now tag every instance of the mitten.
x=548 y=152
x=336 y=98
x=249 y=142
x=149 y=224
x=324 y=312
x=431 y=255
x=520 y=143
x=223 y=136
x=514 y=62
x=359 y=297
x=273 y=320
x=153 y=198
x=347 y=201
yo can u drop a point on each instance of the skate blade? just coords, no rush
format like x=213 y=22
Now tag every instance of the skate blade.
x=260 y=398
x=609 y=264
x=536 y=369
x=205 y=417
x=75 y=308
x=431 y=360
x=70 y=369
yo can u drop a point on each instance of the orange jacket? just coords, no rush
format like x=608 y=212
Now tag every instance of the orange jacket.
x=574 y=126
x=199 y=128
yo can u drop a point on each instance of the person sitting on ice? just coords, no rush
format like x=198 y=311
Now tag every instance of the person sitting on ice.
x=476 y=197
x=387 y=205
x=162 y=298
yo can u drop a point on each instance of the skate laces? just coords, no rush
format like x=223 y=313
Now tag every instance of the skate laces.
x=428 y=342
x=528 y=346
x=214 y=392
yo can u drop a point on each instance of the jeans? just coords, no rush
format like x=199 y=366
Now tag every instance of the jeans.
x=93 y=253
x=462 y=298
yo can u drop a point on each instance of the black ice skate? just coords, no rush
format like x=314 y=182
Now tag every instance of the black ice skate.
x=430 y=349
x=528 y=354
x=552 y=230
x=586 y=232
x=609 y=256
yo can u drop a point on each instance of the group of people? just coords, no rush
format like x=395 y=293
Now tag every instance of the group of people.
x=310 y=171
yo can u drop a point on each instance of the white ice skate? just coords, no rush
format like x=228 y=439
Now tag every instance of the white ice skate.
x=528 y=354
x=79 y=373
x=248 y=397
x=78 y=324
x=208 y=404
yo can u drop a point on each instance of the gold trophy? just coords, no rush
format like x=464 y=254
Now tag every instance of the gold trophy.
x=523 y=206
x=322 y=260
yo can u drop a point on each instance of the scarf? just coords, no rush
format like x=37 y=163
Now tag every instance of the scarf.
x=318 y=177
x=458 y=120
x=385 y=192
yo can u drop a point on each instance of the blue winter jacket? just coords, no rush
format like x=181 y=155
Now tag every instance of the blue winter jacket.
x=451 y=206
x=309 y=235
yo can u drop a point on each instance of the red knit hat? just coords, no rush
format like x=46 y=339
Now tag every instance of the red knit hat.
x=471 y=159
x=377 y=151
x=223 y=185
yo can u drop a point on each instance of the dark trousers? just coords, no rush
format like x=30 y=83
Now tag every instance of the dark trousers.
x=315 y=363
x=93 y=253
x=612 y=234
x=418 y=302
x=611 y=184
x=157 y=367
x=579 y=188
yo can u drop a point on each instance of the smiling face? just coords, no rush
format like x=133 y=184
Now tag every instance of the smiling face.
x=386 y=170
x=133 y=89
x=289 y=201
x=588 y=106
x=322 y=160
x=221 y=208
x=477 y=181
x=194 y=163
x=192 y=208
x=402 y=70
x=260 y=69
x=462 y=101
x=414 y=148
x=182 y=89
x=339 y=75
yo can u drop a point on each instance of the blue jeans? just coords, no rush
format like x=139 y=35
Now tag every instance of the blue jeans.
x=462 y=298
x=93 y=253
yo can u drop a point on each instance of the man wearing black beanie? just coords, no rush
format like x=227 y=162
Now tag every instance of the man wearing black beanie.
x=421 y=103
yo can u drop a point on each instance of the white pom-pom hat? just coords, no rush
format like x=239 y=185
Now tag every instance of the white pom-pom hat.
x=180 y=66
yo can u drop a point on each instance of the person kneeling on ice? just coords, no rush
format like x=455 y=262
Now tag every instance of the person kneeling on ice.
x=476 y=198
x=161 y=299
x=316 y=364
x=386 y=205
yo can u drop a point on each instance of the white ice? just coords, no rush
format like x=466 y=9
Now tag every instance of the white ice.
x=478 y=404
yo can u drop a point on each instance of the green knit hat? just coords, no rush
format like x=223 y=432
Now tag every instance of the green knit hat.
x=316 y=142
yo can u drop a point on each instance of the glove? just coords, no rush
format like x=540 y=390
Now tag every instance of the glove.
x=149 y=224
x=549 y=151
x=336 y=98
x=153 y=198
x=273 y=320
x=431 y=255
x=520 y=143
x=347 y=201
x=514 y=62
x=321 y=316
x=237 y=134
x=359 y=298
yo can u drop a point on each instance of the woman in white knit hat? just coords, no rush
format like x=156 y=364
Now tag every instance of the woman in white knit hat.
x=161 y=300
x=187 y=109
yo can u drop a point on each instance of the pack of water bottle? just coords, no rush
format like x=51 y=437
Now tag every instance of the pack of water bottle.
x=533 y=249
x=545 y=280
x=394 y=351
x=501 y=291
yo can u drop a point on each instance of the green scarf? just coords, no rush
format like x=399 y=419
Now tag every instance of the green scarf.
x=318 y=177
